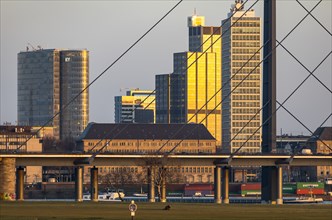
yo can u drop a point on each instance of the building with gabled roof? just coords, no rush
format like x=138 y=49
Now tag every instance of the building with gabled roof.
x=321 y=143
x=150 y=139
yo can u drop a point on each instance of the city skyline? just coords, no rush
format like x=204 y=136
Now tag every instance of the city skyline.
x=155 y=60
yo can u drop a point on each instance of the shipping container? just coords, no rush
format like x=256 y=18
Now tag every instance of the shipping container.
x=250 y=192
x=251 y=186
x=289 y=188
x=307 y=185
x=310 y=191
x=198 y=187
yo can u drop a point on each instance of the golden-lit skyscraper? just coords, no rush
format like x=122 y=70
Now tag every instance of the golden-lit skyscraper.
x=182 y=96
x=137 y=106
x=240 y=43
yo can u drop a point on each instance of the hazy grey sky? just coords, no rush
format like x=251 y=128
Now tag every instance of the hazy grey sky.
x=107 y=28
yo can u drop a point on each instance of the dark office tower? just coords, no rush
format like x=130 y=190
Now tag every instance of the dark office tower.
x=163 y=98
x=47 y=80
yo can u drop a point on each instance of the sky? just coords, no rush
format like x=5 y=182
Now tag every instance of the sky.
x=107 y=28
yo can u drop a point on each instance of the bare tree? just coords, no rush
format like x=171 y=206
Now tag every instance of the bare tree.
x=119 y=177
x=163 y=171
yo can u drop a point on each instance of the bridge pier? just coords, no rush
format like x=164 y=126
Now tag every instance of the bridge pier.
x=20 y=184
x=94 y=184
x=151 y=185
x=217 y=185
x=279 y=173
x=7 y=178
x=163 y=185
x=269 y=184
x=225 y=185
x=79 y=184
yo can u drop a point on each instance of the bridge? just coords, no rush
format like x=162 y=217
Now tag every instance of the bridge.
x=42 y=159
x=221 y=162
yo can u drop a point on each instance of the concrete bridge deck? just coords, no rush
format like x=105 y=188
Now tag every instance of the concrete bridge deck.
x=42 y=159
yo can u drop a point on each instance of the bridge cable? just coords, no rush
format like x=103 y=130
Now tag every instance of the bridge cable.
x=107 y=143
x=326 y=87
x=279 y=106
x=314 y=18
x=178 y=69
x=102 y=73
x=261 y=62
x=298 y=120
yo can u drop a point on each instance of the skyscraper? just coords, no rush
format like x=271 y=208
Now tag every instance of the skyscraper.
x=47 y=80
x=242 y=100
x=138 y=106
x=196 y=78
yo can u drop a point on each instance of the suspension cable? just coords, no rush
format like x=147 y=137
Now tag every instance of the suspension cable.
x=102 y=73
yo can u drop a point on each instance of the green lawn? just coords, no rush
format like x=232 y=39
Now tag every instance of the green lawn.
x=146 y=211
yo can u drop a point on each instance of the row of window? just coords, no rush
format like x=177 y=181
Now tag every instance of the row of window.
x=246 y=124
x=246 y=77
x=245 y=70
x=247 y=90
x=246 y=44
x=246 y=137
x=246 y=117
x=246 y=64
x=246 y=30
x=148 y=144
x=246 y=131
x=246 y=57
x=246 y=104
x=245 y=51
x=246 y=97
x=151 y=151
x=245 y=110
x=246 y=144
x=248 y=150
x=246 y=84
x=246 y=24
x=246 y=37
x=116 y=169
x=104 y=170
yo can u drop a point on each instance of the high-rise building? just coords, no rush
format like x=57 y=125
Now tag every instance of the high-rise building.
x=47 y=80
x=190 y=94
x=241 y=74
x=138 y=106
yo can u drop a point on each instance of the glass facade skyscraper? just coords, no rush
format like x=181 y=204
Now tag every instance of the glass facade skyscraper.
x=242 y=92
x=196 y=78
x=47 y=80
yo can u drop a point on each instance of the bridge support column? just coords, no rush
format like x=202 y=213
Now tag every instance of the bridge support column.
x=94 y=184
x=279 y=173
x=163 y=185
x=225 y=185
x=151 y=185
x=79 y=184
x=269 y=184
x=217 y=185
x=7 y=178
x=20 y=184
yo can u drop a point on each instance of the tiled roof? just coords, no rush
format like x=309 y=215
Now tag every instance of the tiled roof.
x=146 y=131
x=322 y=133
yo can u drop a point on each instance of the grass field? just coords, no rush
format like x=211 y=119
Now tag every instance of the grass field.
x=147 y=211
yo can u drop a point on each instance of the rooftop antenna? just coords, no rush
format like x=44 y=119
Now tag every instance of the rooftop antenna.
x=33 y=48
x=195 y=11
